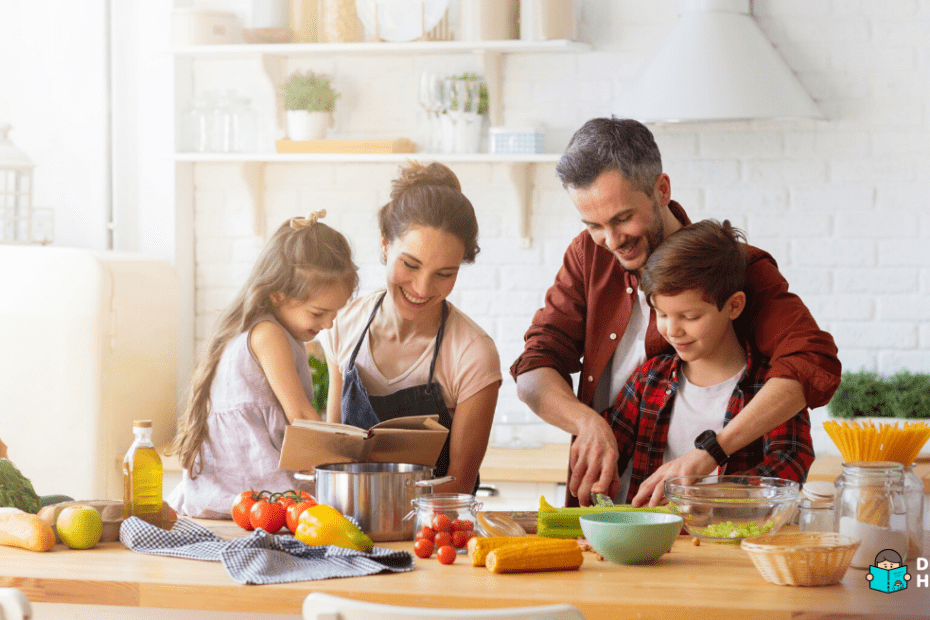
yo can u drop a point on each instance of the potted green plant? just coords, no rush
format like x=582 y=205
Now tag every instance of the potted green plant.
x=309 y=100
x=865 y=394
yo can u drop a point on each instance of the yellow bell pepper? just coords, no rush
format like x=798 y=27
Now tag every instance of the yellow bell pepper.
x=324 y=525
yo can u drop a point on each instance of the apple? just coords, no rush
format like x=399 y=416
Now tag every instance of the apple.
x=79 y=527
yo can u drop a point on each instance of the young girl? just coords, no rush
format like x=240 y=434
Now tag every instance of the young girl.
x=255 y=378
x=405 y=350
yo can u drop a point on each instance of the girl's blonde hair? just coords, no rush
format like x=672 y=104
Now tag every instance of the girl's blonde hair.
x=303 y=257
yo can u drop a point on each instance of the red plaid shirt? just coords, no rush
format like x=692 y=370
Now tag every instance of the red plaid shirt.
x=641 y=415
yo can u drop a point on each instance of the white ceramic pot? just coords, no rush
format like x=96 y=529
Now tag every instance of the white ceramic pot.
x=304 y=125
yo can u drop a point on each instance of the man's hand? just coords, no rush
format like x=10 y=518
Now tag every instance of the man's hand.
x=694 y=463
x=593 y=460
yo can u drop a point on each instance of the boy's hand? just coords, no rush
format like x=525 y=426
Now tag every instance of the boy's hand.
x=694 y=463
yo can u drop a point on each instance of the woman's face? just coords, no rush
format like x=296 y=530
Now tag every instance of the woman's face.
x=422 y=266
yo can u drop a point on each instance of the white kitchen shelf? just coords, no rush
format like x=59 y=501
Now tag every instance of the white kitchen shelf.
x=365 y=157
x=413 y=47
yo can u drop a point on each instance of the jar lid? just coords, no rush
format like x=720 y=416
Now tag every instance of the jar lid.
x=818 y=493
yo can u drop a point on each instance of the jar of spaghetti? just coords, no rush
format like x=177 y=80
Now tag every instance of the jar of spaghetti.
x=870 y=505
x=914 y=498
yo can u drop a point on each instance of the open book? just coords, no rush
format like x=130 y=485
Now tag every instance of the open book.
x=888 y=581
x=411 y=439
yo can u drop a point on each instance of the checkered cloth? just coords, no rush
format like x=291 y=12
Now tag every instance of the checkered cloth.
x=261 y=557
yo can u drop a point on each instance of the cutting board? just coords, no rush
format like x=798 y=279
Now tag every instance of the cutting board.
x=401 y=145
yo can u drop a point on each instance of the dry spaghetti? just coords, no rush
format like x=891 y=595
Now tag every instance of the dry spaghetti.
x=885 y=442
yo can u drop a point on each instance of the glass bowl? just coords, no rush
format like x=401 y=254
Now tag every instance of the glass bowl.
x=727 y=509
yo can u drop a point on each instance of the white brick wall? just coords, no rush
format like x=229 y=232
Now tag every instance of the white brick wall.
x=842 y=204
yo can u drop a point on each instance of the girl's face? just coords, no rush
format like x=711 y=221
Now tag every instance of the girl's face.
x=422 y=266
x=304 y=319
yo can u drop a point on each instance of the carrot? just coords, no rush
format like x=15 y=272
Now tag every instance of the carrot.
x=25 y=530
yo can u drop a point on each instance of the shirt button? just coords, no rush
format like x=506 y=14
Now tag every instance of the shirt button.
x=613 y=336
x=590 y=378
x=629 y=289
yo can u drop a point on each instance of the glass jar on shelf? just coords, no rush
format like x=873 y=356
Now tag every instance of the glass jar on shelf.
x=870 y=505
x=222 y=136
x=195 y=136
x=244 y=125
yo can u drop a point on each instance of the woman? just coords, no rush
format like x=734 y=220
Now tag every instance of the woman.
x=405 y=350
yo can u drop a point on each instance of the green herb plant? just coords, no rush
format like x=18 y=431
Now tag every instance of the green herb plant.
x=320 y=374
x=483 y=92
x=309 y=91
x=868 y=394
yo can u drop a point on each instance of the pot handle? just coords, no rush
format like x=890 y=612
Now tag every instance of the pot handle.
x=307 y=477
x=434 y=481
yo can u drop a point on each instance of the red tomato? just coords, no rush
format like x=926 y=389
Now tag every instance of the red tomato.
x=269 y=516
x=460 y=539
x=293 y=513
x=443 y=539
x=242 y=507
x=426 y=532
x=303 y=495
x=463 y=525
x=441 y=523
x=446 y=555
x=423 y=548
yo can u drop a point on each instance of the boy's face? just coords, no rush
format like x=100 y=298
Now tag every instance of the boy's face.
x=695 y=327
x=888 y=565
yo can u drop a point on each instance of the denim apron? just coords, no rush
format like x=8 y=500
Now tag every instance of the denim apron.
x=361 y=409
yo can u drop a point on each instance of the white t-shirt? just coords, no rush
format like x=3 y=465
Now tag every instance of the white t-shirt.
x=629 y=355
x=695 y=410
x=468 y=360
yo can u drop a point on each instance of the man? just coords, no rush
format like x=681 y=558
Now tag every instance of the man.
x=596 y=321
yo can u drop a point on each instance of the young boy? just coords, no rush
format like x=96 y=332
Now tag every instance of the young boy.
x=677 y=402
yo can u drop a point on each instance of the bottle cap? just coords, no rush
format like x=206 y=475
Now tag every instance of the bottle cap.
x=142 y=424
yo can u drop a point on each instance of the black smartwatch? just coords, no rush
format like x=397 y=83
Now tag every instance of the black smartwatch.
x=708 y=441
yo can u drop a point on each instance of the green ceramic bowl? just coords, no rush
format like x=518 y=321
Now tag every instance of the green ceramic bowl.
x=630 y=537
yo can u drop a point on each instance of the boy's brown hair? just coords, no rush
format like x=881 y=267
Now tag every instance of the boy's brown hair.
x=706 y=256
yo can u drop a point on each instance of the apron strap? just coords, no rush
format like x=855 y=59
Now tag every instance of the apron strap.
x=358 y=345
x=439 y=335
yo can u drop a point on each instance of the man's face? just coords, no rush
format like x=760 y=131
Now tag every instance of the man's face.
x=622 y=219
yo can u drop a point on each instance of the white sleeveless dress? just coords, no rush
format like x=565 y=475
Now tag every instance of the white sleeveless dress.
x=245 y=433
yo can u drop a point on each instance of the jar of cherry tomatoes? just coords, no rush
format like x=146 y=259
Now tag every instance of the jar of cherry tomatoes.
x=447 y=515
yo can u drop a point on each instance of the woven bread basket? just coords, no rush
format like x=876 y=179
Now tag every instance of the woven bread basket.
x=801 y=558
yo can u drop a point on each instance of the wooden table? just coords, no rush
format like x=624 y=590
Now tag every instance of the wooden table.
x=716 y=581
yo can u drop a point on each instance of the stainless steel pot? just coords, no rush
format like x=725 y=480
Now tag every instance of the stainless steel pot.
x=377 y=495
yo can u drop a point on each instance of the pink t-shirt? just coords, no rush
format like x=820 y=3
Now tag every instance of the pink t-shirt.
x=468 y=360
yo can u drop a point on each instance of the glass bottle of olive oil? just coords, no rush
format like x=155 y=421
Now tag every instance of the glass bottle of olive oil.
x=142 y=475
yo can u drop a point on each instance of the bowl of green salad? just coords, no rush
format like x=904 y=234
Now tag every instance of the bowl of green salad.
x=727 y=509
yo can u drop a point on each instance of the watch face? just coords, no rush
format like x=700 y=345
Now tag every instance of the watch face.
x=704 y=437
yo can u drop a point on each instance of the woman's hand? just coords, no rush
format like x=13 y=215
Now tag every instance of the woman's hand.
x=693 y=463
x=471 y=428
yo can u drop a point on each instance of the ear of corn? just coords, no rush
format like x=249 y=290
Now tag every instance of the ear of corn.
x=478 y=547
x=535 y=556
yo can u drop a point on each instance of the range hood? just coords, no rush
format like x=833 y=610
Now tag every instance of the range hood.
x=715 y=65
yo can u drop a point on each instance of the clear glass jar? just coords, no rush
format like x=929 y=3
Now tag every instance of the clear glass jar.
x=815 y=508
x=459 y=510
x=914 y=498
x=222 y=136
x=870 y=505
x=196 y=135
x=244 y=125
